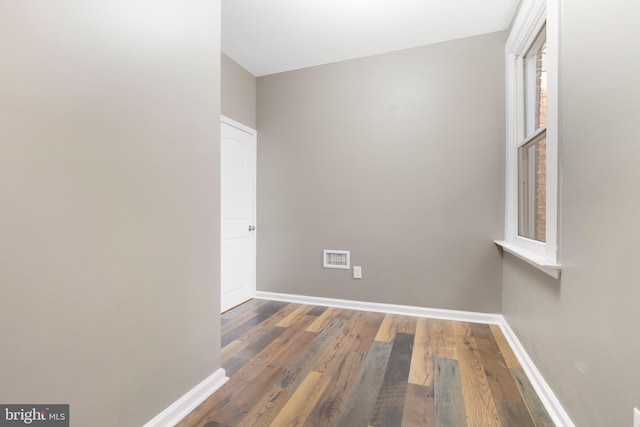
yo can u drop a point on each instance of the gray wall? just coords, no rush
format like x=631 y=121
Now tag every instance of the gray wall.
x=396 y=157
x=238 y=92
x=109 y=193
x=582 y=332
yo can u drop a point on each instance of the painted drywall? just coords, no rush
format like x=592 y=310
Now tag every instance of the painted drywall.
x=109 y=193
x=582 y=331
x=238 y=92
x=398 y=158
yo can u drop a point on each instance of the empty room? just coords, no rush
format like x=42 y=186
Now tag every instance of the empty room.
x=319 y=213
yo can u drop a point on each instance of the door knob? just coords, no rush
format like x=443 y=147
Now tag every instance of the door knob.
x=251 y=228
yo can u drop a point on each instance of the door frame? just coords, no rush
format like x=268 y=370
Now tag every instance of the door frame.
x=254 y=136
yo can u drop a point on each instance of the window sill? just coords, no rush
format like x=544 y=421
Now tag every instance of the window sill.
x=538 y=261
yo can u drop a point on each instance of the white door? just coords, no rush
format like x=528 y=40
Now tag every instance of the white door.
x=238 y=182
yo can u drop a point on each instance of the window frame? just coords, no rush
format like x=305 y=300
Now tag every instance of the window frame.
x=532 y=139
x=531 y=18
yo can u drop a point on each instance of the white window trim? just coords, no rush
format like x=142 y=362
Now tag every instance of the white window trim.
x=531 y=18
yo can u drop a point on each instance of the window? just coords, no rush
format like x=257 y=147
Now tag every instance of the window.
x=532 y=148
x=532 y=136
x=532 y=203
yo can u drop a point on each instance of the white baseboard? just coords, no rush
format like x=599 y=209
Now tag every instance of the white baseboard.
x=463 y=316
x=547 y=397
x=190 y=401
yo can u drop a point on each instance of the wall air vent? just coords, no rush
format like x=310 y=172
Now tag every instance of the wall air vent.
x=336 y=259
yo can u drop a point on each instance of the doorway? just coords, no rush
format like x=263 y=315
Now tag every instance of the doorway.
x=238 y=146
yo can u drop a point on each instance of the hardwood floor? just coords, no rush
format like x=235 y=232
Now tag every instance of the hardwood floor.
x=300 y=365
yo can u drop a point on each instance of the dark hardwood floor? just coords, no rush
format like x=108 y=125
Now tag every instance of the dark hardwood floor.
x=300 y=365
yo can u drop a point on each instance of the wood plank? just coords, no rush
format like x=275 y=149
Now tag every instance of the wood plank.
x=248 y=311
x=290 y=343
x=421 y=371
x=514 y=414
x=332 y=401
x=296 y=373
x=323 y=320
x=391 y=397
x=419 y=410
x=533 y=402
x=362 y=398
x=237 y=321
x=212 y=409
x=317 y=310
x=407 y=325
x=257 y=345
x=265 y=411
x=298 y=408
x=294 y=316
x=231 y=349
x=448 y=402
x=238 y=404
x=444 y=337
x=256 y=332
x=498 y=374
x=478 y=401
x=346 y=313
x=280 y=354
x=366 y=335
x=266 y=311
x=300 y=343
x=507 y=354
x=233 y=365
x=388 y=328
x=215 y=424
x=330 y=360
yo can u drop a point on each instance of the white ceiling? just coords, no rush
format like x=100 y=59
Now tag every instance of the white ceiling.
x=271 y=36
